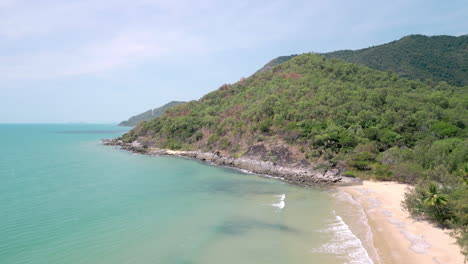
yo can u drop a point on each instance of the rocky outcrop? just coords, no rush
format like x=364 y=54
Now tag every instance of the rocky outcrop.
x=255 y=161
x=134 y=147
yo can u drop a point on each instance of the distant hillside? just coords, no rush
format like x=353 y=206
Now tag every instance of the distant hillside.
x=440 y=58
x=275 y=62
x=150 y=114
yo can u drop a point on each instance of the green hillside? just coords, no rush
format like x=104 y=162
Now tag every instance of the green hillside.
x=319 y=103
x=150 y=114
x=275 y=62
x=331 y=114
x=440 y=58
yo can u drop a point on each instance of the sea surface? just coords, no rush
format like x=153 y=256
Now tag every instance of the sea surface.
x=66 y=198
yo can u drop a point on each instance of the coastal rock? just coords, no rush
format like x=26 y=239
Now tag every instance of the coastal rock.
x=254 y=161
x=136 y=144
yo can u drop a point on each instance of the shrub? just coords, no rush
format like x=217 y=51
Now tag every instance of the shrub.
x=360 y=164
x=173 y=144
x=395 y=155
x=349 y=174
x=364 y=156
x=419 y=203
x=361 y=160
x=213 y=139
x=388 y=136
x=129 y=137
x=407 y=172
x=265 y=125
x=198 y=136
x=444 y=129
x=382 y=172
x=224 y=143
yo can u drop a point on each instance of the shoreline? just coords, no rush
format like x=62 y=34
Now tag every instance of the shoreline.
x=305 y=176
x=397 y=237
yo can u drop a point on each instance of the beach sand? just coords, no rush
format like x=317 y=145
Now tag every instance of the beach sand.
x=397 y=237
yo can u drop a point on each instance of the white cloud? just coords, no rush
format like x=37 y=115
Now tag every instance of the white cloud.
x=63 y=38
x=52 y=38
x=124 y=50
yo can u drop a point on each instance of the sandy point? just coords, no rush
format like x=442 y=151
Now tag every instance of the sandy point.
x=398 y=237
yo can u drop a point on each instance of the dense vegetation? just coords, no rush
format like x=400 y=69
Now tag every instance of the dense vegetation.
x=440 y=58
x=150 y=114
x=368 y=123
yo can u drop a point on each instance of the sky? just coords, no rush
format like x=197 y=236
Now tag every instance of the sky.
x=103 y=61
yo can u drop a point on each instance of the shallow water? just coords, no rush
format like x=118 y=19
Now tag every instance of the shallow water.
x=65 y=198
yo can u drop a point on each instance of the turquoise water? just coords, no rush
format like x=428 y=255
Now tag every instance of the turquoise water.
x=65 y=198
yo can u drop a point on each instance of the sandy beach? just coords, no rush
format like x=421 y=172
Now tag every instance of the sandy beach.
x=397 y=237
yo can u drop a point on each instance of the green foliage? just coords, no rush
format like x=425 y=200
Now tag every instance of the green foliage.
x=173 y=144
x=428 y=201
x=265 y=125
x=213 y=139
x=407 y=172
x=444 y=129
x=446 y=205
x=383 y=126
x=361 y=161
x=329 y=108
x=434 y=197
x=129 y=137
x=349 y=174
x=224 y=143
x=438 y=58
x=388 y=136
x=382 y=172
x=150 y=114
x=198 y=135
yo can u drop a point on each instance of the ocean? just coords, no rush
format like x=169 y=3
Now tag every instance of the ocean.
x=66 y=198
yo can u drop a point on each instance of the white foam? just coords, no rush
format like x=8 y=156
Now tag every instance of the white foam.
x=396 y=222
x=418 y=243
x=245 y=171
x=253 y=173
x=387 y=213
x=344 y=243
x=271 y=177
x=282 y=196
x=360 y=217
x=281 y=203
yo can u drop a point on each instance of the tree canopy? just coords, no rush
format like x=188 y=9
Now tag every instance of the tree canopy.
x=372 y=123
x=440 y=58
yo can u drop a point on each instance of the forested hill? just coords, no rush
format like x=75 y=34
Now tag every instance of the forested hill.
x=329 y=110
x=323 y=113
x=440 y=58
x=150 y=114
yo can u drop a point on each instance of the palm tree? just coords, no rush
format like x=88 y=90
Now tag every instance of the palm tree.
x=434 y=197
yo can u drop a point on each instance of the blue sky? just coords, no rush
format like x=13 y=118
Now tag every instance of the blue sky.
x=103 y=61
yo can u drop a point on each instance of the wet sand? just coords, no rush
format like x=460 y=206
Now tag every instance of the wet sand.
x=397 y=237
